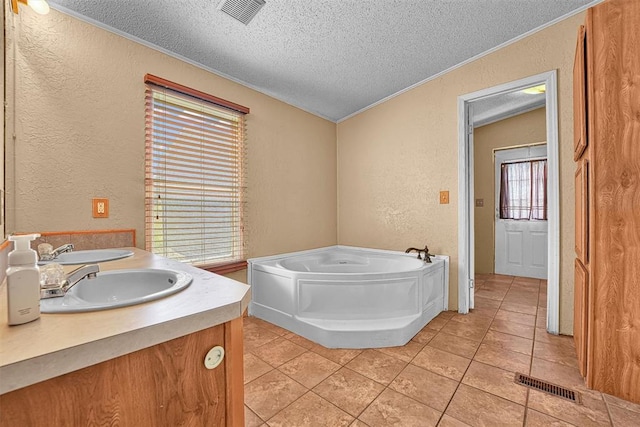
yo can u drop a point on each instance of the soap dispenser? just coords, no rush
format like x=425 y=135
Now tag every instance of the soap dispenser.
x=23 y=281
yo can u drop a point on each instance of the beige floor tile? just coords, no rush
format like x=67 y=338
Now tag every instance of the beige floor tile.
x=266 y=325
x=254 y=367
x=358 y=423
x=479 y=408
x=456 y=345
x=519 y=308
x=489 y=312
x=272 y=392
x=489 y=293
x=425 y=387
x=473 y=318
x=251 y=419
x=481 y=302
x=495 y=381
x=523 y=298
x=301 y=341
x=377 y=366
x=612 y=400
x=558 y=353
x=465 y=330
x=447 y=314
x=406 y=352
x=623 y=417
x=349 y=390
x=424 y=336
x=256 y=336
x=442 y=363
x=311 y=410
x=501 y=278
x=512 y=328
x=278 y=351
x=538 y=419
x=338 y=355
x=503 y=358
x=437 y=323
x=309 y=369
x=395 y=409
x=496 y=285
x=541 y=318
x=563 y=340
x=448 y=421
x=509 y=342
x=592 y=412
x=521 y=318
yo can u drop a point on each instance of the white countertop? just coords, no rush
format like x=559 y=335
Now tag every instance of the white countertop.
x=57 y=344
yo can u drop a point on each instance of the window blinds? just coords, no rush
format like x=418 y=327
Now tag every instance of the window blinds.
x=193 y=175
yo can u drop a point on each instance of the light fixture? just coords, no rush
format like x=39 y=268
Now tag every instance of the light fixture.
x=535 y=90
x=38 y=6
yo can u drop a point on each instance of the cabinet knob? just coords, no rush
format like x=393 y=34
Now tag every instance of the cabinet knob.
x=214 y=357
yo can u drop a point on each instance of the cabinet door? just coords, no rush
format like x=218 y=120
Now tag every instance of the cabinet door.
x=582 y=214
x=579 y=97
x=580 y=314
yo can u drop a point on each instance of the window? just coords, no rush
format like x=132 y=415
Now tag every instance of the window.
x=523 y=190
x=193 y=176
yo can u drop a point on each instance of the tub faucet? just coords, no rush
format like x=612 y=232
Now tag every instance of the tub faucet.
x=409 y=250
x=425 y=251
x=44 y=256
x=88 y=271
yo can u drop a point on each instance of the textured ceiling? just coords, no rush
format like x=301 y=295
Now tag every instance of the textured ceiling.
x=332 y=58
x=505 y=105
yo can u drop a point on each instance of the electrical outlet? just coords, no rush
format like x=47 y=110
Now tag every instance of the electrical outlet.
x=101 y=208
x=444 y=197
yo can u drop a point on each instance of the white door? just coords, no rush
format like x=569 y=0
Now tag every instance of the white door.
x=520 y=245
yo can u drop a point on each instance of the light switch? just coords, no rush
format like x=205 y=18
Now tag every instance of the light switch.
x=101 y=208
x=444 y=197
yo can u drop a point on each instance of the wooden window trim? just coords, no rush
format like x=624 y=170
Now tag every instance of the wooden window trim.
x=159 y=81
x=226 y=268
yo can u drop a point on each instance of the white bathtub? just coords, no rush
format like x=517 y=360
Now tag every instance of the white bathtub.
x=347 y=297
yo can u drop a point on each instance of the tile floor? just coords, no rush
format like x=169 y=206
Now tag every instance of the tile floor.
x=457 y=371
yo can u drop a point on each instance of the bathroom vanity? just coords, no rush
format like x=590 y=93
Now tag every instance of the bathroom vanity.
x=138 y=365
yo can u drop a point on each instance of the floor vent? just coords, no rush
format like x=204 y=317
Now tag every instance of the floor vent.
x=547 y=387
x=242 y=10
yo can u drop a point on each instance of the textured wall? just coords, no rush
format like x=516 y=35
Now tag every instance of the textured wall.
x=526 y=128
x=394 y=158
x=79 y=131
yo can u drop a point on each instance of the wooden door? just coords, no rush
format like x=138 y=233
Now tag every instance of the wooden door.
x=580 y=314
x=579 y=97
x=581 y=222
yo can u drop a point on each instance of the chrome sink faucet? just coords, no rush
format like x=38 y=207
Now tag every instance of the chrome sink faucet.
x=88 y=271
x=54 y=253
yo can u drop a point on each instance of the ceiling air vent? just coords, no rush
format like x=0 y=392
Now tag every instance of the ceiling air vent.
x=242 y=10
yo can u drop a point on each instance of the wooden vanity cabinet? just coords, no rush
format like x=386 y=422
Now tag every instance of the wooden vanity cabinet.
x=607 y=214
x=163 y=385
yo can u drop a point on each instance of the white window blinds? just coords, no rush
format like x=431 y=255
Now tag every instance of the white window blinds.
x=193 y=175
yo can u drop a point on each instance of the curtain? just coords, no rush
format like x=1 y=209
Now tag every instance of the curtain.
x=523 y=190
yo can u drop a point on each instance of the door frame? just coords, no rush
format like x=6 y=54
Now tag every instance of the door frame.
x=466 y=193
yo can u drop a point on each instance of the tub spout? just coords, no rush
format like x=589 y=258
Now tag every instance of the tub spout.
x=409 y=250
x=425 y=251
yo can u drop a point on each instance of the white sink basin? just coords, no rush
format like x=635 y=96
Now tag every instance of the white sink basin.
x=89 y=257
x=118 y=288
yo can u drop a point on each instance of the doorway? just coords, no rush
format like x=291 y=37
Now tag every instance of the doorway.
x=520 y=211
x=466 y=251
